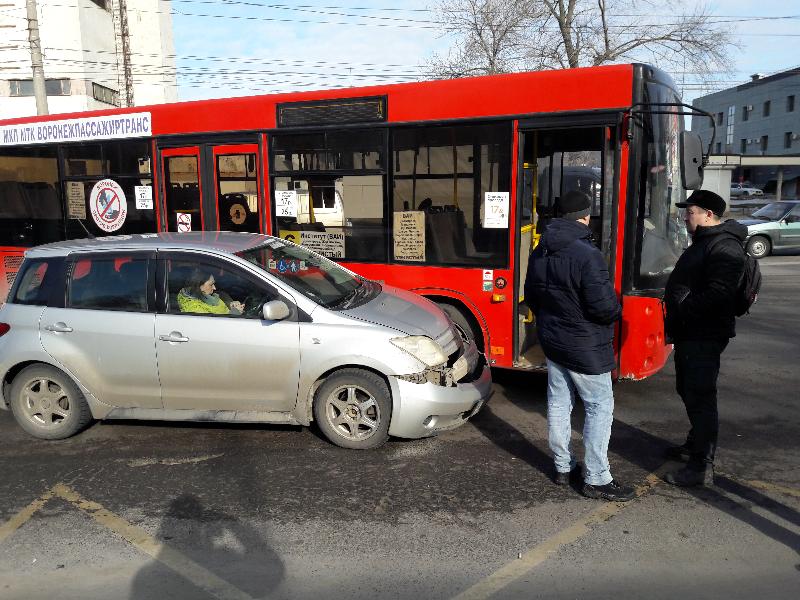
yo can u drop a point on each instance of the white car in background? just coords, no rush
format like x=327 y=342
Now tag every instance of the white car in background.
x=742 y=189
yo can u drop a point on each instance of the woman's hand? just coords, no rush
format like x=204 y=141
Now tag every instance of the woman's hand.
x=237 y=307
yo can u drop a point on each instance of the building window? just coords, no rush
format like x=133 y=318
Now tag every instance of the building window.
x=718 y=148
x=53 y=87
x=764 y=143
x=743 y=146
x=719 y=118
x=104 y=94
x=767 y=106
x=729 y=131
x=787 y=139
x=790 y=103
x=746 y=112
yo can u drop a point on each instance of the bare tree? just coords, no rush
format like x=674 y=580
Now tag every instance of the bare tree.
x=495 y=36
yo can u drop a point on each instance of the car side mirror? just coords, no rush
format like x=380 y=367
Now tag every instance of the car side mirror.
x=275 y=310
x=691 y=151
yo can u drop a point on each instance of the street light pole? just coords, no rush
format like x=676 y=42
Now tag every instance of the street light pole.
x=39 y=90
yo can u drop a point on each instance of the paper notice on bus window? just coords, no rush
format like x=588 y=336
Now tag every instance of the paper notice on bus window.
x=328 y=243
x=144 y=196
x=495 y=213
x=286 y=203
x=76 y=200
x=409 y=235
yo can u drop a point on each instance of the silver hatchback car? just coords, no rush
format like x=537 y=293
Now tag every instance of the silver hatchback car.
x=231 y=327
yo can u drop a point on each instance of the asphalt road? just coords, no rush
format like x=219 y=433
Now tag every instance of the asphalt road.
x=150 y=510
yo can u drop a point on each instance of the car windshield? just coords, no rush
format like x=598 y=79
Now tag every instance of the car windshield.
x=773 y=211
x=314 y=276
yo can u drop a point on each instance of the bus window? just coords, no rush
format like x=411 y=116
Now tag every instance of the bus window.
x=335 y=181
x=30 y=208
x=126 y=163
x=182 y=187
x=444 y=173
x=237 y=191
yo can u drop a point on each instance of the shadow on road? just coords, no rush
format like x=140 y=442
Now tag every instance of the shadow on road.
x=212 y=552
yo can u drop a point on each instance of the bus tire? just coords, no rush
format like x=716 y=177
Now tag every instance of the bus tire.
x=466 y=323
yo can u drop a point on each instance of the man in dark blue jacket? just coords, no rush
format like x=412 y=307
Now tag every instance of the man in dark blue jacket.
x=699 y=298
x=568 y=289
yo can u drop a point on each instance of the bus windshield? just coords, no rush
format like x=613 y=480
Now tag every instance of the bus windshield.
x=662 y=233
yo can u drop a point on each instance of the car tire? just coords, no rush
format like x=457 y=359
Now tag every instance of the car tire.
x=353 y=408
x=759 y=246
x=47 y=404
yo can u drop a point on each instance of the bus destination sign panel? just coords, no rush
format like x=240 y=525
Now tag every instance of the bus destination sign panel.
x=106 y=127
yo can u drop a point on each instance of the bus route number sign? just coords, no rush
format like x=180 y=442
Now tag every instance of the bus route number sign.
x=495 y=210
x=108 y=205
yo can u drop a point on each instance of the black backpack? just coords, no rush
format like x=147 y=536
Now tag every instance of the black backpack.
x=749 y=284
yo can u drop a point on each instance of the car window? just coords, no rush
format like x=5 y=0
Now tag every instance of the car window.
x=116 y=282
x=31 y=289
x=214 y=289
x=772 y=211
x=794 y=214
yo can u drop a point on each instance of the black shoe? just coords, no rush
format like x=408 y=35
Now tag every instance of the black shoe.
x=565 y=478
x=687 y=477
x=614 y=492
x=680 y=453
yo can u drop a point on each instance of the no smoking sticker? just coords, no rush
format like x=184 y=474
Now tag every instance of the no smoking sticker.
x=108 y=205
x=184 y=222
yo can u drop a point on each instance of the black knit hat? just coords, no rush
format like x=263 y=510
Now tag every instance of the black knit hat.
x=574 y=205
x=705 y=199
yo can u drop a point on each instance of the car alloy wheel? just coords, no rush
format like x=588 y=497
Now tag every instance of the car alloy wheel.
x=352 y=412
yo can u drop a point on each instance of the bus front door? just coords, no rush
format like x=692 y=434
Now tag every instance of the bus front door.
x=212 y=187
x=553 y=162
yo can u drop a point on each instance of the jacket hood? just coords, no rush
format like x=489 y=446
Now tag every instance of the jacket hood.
x=562 y=232
x=731 y=226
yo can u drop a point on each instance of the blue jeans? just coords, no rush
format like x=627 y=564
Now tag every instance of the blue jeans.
x=598 y=402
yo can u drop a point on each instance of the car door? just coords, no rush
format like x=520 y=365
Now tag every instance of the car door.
x=103 y=335
x=789 y=229
x=223 y=361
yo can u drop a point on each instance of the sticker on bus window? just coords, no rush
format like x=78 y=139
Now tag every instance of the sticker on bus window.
x=495 y=213
x=76 y=200
x=108 y=205
x=286 y=203
x=184 y=222
x=488 y=275
x=409 y=235
x=144 y=197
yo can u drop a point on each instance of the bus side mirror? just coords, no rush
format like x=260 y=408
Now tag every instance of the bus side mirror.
x=691 y=150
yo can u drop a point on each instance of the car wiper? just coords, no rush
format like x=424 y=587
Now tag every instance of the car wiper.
x=348 y=299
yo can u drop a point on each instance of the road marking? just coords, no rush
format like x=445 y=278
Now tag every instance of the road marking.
x=136 y=536
x=19 y=519
x=146 y=462
x=512 y=571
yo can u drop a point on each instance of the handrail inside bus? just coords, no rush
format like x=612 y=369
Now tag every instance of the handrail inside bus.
x=693 y=111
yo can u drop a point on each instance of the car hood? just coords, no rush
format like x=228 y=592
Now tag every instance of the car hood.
x=751 y=222
x=402 y=310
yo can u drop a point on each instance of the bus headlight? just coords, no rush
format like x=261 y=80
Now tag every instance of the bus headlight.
x=422 y=348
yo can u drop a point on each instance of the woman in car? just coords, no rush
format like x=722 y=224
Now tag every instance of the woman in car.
x=200 y=296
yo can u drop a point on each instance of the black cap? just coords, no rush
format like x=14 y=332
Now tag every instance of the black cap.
x=574 y=205
x=705 y=199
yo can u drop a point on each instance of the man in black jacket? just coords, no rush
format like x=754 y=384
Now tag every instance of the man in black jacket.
x=700 y=319
x=568 y=289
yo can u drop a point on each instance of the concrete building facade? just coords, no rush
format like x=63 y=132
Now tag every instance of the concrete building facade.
x=758 y=118
x=96 y=54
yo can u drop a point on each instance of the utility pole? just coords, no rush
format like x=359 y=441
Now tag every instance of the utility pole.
x=126 y=52
x=39 y=90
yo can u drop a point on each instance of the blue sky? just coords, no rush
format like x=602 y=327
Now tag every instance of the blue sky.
x=258 y=46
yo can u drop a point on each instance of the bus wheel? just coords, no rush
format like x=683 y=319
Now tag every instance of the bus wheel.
x=467 y=325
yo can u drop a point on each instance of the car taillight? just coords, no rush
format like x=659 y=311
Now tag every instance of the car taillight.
x=4 y=328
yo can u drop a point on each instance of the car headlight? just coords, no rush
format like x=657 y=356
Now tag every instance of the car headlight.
x=422 y=348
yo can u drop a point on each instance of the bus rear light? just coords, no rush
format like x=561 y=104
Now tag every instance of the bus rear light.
x=4 y=328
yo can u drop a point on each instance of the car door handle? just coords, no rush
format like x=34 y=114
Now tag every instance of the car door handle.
x=59 y=327
x=175 y=336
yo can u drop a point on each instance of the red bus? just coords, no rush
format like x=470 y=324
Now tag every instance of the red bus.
x=440 y=187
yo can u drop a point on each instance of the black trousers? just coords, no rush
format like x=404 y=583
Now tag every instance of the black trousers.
x=696 y=372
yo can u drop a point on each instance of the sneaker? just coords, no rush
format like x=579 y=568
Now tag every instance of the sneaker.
x=614 y=491
x=687 y=477
x=680 y=453
x=564 y=478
